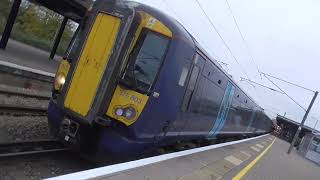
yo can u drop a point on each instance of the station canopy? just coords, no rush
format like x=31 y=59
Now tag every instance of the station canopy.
x=72 y=9
x=69 y=9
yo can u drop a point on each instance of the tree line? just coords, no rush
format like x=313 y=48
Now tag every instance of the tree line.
x=36 y=25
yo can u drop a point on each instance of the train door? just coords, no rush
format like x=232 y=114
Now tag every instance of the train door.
x=195 y=124
x=92 y=63
x=194 y=74
x=223 y=111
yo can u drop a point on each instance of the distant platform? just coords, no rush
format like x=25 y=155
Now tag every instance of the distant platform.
x=29 y=57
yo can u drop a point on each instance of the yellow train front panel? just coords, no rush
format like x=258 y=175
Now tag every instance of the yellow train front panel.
x=124 y=99
x=92 y=63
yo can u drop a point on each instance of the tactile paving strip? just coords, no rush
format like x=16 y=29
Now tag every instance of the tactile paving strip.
x=218 y=169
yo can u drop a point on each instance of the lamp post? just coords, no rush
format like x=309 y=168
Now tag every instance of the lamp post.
x=283 y=92
x=302 y=123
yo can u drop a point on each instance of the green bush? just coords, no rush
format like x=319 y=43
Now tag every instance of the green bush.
x=38 y=42
x=36 y=26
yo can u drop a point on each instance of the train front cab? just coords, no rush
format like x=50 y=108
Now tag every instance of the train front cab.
x=107 y=78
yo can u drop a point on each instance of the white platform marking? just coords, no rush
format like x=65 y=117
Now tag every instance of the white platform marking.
x=260 y=146
x=254 y=148
x=233 y=160
x=245 y=153
x=16 y=66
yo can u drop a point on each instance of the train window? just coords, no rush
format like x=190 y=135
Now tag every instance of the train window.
x=193 y=78
x=183 y=76
x=191 y=86
x=192 y=81
x=145 y=61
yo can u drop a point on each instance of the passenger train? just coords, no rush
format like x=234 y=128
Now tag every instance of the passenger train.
x=134 y=79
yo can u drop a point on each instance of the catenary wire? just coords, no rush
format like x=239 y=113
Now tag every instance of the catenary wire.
x=220 y=36
x=285 y=93
x=242 y=37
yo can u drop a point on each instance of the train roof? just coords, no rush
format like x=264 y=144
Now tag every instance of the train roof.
x=178 y=29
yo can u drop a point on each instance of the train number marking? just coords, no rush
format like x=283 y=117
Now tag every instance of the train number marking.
x=133 y=98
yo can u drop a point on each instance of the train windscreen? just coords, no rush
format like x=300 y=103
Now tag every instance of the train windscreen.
x=145 y=61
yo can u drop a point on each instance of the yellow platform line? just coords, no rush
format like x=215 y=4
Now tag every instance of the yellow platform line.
x=245 y=170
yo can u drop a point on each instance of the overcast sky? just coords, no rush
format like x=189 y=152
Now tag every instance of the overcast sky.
x=282 y=38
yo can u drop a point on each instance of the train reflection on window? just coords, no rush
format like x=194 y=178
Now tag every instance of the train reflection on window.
x=145 y=61
x=73 y=45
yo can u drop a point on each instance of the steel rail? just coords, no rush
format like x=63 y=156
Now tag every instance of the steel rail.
x=16 y=93
x=30 y=147
x=20 y=109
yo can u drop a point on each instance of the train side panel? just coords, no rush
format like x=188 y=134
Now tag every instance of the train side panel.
x=216 y=111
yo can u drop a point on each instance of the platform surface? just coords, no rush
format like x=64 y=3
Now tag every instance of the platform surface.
x=277 y=164
x=263 y=158
x=209 y=162
x=28 y=56
x=220 y=163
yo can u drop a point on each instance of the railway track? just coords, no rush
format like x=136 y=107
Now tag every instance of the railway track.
x=30 y=147
x=24 y=94
x=19 y=76
x=21 y=110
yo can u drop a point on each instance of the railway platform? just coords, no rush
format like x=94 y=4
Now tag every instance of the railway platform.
x=255 y=158
x=30 y=57
x=277 y=164
x=27 y=67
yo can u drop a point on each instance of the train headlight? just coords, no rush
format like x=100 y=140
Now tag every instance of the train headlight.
x=59 y=81
x=130 y=113
x=119 y=111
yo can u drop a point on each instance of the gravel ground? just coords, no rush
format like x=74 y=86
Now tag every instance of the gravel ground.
x=23 y=128
x=42 y=166
x=29 y=128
